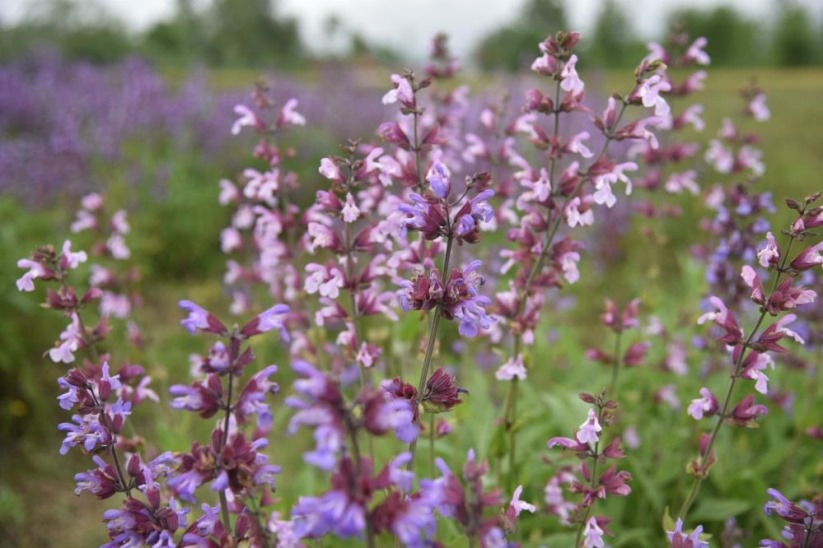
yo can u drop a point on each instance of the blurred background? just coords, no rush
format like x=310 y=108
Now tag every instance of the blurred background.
x=135 y=99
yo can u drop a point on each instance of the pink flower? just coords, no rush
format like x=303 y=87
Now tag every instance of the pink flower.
x=514 y=367
x=228 y=192
x=574 y=217
x=350 y=211
x=695 y=52
x=758 y=109
x=290 y=116
x=516 y=505
x=769 y=255
x=570 y=81
x=402 y=92
x=576 y=146
x=330 y=170
x=648 y=93
x=678 y=182
x=36 y=270
x=593 y=534
x=705 y=406
x=810 y=257
x=603 y=191
x=246 y=118
x=71 y=341
x=545 y=65
x=589 y=429
x=69 y=260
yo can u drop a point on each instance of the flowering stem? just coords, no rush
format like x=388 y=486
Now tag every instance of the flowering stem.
x=224 y=503
x=721 y=417
x=615 y=367
x=91 y=349
x=511 y=395
x=424 y=374
x=592 y=485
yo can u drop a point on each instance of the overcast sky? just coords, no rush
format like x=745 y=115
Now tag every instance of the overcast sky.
x=408 y=25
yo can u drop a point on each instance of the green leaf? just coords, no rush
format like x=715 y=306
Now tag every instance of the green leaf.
x=719 y=509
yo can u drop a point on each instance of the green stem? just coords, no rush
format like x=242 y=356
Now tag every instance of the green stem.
x=224 y=503
x=592 y=484
x=615 y=367
x=431 y=444
x=424 y=374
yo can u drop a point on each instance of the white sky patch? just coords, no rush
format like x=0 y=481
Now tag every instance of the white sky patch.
x=409 y=25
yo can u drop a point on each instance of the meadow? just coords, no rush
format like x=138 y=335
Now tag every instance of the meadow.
x=158 y=144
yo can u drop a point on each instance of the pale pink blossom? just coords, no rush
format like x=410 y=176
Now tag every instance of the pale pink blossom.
x=570 y=81
x=288 y=115
x=695 y=52
x=574 y=217
x=518 y=505
x=769 y=255
x=593 y=535
x=350 y=210
x=246 y=118
x=588 y=432
x=758 y=109
x=513 y=368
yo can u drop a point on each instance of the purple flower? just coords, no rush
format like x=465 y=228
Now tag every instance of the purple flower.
x=438 y=178
x=101 y=482
x=273 y=318
x=318 y=407
x=463 y=302
x=252 y=399
x=332 y=512
x=678 y=538
x=200 y=318
x=514 y=367
x=86 y=432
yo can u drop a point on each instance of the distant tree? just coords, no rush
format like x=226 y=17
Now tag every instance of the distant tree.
x=515 y=45
x=733 y=39
x=248 y=33
x=794 y=43
x=613 y=42
x=79 y=30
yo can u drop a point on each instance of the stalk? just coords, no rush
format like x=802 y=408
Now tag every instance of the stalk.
x=721 y=417
x=511 y=395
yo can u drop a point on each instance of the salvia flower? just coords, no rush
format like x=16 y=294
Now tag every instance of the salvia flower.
x=200 y=318
x=704 y=406
x=679 y=539
x=441 y=392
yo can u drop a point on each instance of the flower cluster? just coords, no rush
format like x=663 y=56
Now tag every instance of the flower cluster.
x=804 y=521
x=586 y=445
